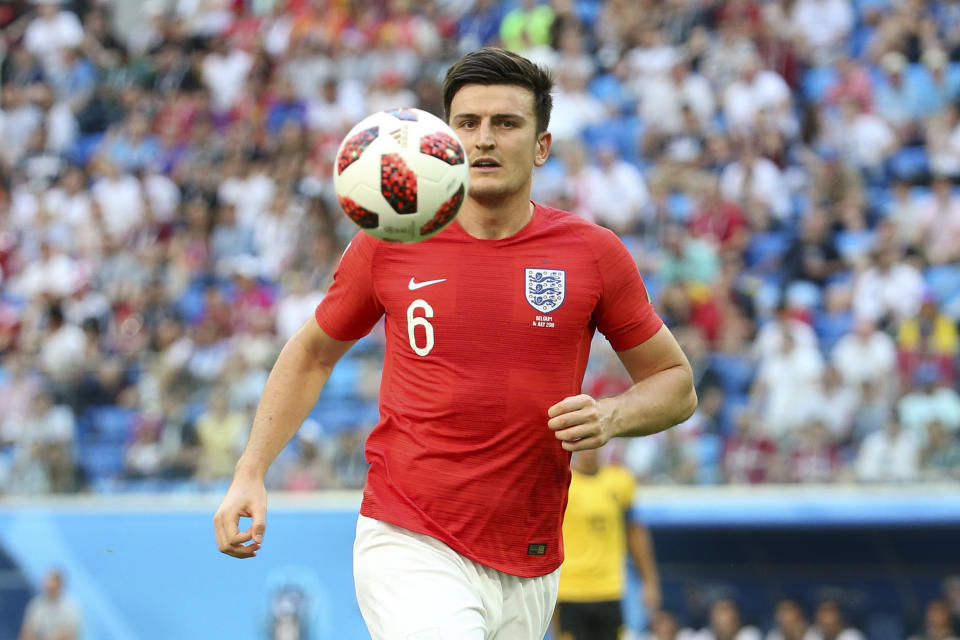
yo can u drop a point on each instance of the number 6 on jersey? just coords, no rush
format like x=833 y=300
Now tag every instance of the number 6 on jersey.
x=414 y=321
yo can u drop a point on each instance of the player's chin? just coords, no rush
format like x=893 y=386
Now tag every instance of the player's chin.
x=487 y=189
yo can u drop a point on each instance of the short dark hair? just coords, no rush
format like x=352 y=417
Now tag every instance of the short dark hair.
x=492 y=65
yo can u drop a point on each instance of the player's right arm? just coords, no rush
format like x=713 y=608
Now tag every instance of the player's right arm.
x=292 y=389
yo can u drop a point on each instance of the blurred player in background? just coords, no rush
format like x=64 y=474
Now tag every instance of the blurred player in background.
x=597 y=535
x=51 y=615
x=488 y=330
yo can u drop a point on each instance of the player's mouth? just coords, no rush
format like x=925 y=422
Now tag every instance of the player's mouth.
x=484 y=164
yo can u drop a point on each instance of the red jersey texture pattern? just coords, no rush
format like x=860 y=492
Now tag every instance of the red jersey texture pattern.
x=483 y=336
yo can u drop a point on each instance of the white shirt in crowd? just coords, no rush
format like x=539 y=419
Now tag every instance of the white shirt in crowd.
x=48 y=37
x=867 y=140
x=225 y=75
x=617 y=193
x=769 y=340
x=121 y=203
x=767 y=184
x=897 y=291
x=918 y=409
x=663 y=99
x=250 y=195
x=792 y=381
x=886 y=456
x=745 y=98
x=870 y=358
x=822 y=24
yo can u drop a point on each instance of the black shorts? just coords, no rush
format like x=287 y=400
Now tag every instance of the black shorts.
x=590 y=620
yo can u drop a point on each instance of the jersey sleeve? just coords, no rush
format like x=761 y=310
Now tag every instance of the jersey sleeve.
x=624 y=314
x=351 y=308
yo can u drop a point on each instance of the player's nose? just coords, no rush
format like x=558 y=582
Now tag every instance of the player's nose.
x=485 y=138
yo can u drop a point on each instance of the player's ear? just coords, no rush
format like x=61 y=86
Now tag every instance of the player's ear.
x=542 y=152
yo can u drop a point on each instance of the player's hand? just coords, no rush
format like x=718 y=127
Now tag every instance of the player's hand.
x=652 y=598
x=581 y=422
x=245 y=498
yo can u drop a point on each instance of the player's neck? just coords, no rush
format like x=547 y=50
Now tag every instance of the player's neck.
x=495 y=221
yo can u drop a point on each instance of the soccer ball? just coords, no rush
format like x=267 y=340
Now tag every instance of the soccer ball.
x=401 y=175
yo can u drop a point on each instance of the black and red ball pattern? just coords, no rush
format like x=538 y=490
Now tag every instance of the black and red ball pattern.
x=442 y=146
x=364 y=218
x=404 y=114
x=398 y=183
x=444 y=214
x=355 y=146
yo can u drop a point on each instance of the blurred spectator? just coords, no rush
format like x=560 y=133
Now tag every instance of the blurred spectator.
x=829 y=622
x=664 y=625
x=790 y=621
x=836 y=405
x=889 y=290
x=930 y=400
x=822 y=27
x=222 y=432
x=937 y=223
x=937 y=623
x=890 y=454
x=755 y=178
x=725 y=624
x=866 y=355
x=51 y=614
x=51 y=33
x=750 y=456
x=940 y=456
x=814 y=454
x=873 y=412
x=617 y=192
x=720 y=221
x=758 y=94
x=813 y=256
x=311 y=470
x=527 y=26
x=43 y=441
x=930 y=337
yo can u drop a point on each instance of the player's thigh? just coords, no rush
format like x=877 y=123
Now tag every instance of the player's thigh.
x=609 y=620
x=574 y=620
x=528 y=605
x=411 y=587
x=590 y=620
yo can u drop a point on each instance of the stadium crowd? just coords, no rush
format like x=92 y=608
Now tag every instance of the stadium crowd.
x=783 y=172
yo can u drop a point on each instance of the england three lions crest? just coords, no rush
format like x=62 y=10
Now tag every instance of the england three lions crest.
x=545 y=288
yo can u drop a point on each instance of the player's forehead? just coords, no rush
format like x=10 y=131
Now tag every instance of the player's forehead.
x=492 y=100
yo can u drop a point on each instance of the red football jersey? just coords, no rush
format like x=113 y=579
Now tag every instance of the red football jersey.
x=482 y=337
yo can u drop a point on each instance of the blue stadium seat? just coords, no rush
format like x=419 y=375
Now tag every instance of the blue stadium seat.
x=944 y=281
x=102 y=460
x=112 y=424
x=736 y=371
x=909 y=163
x=765 y=249
x=680 y=205
x=816 y=81
x=830 y=327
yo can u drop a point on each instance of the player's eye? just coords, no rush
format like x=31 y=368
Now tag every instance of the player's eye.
x=508 y=124
x=467 y=124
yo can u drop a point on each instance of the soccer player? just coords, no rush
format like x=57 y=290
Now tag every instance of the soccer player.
x=597 y=535
x=488 y=328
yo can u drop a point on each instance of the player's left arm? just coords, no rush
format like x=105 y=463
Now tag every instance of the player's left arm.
x=662 y=395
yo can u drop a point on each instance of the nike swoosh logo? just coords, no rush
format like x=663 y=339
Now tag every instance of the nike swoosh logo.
x=413 y=284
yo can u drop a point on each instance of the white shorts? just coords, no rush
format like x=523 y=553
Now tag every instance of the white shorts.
x=413 y=587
